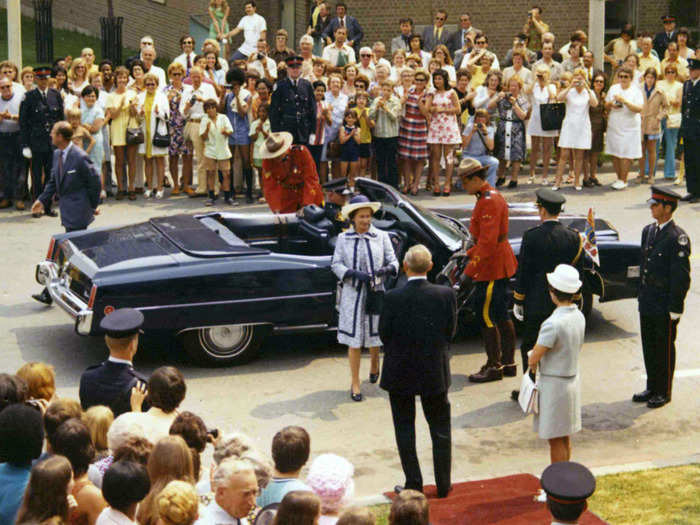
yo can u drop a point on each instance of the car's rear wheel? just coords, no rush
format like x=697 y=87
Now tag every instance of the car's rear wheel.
x=225 y=345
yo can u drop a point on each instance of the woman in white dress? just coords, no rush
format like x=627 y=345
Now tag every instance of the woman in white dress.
x=363 y=256
x=541 y=92
x=555 y=359
x=624 y=134
x=576 y=135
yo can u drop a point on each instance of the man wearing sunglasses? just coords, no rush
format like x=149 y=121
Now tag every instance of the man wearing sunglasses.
x=436 y=34
x=186 y=59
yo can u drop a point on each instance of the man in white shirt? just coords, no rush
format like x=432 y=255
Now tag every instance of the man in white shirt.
x=148 y=57
x=192 y=108
x=339 y=53
x=235 y=489
x=262 y=63
x=254 y=28
x=555 y=68
x=10 y=158
x=646 y=59
x=481 y=44
x=378 y=52
x=365 y=66
x=188 y=54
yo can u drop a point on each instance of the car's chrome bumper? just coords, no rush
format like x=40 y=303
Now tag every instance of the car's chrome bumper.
x=47 y=274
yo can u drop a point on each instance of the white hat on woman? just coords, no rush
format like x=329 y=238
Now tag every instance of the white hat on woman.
x=564 y=278
x=358 y=202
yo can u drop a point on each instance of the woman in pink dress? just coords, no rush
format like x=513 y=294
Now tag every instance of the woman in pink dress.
x=443 y=130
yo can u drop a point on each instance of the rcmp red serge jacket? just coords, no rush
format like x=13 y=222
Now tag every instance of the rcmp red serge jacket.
x=491 y=258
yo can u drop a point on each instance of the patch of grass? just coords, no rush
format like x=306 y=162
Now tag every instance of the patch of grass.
x=664 y=496
x=65 y=42
x=667 y=496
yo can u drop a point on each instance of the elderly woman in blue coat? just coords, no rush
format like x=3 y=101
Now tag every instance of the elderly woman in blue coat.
x=363 y=256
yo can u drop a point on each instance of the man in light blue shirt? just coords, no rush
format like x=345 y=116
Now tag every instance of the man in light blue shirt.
x=477 y=143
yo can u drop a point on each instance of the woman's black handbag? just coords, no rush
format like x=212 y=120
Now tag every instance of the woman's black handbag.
x=375 y=297
x=552 y=115
x=161 y=140
x=134 y=136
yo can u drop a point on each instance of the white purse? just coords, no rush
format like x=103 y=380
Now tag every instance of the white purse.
x=528 y=398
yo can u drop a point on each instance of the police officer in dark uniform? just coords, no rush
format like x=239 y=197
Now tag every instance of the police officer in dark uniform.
x=337 y=196
x=110 y=383
x=542 y=249
x=663 y=38
x=690 y=130
x=568 y=485
x=293 y=106
x=665 y=272
x=41 y=109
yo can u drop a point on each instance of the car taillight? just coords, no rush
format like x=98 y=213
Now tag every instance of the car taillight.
x=93 y=293
x=49 y=254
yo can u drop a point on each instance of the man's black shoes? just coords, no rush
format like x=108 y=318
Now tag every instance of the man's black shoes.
x=642 y=397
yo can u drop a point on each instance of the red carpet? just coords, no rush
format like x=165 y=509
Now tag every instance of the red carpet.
x=502 y=501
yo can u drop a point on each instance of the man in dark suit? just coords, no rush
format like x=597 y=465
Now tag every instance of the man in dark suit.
x=111 y=382
x=541 y=250
x=459 y=39
x=351 y=25
x=436 y=34
x=665 y=272
x=416 y=326
x=293 y=106
x=690 y=130
x=41 y=109
x=76 y=181
x=662 y=38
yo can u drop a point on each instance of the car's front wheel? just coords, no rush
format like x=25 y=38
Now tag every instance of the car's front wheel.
x=225 y=345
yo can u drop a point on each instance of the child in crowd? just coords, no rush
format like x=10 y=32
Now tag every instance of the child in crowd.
x=366 y=125
x=318 y=137
x=259 y=131
x=214 y=130
x=350 y=147
x=291 y=447
x=357 y=516
x=81 y=135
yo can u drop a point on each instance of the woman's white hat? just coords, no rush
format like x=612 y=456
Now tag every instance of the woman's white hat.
x=276 y=145
x=357 y=202
x=565 y=278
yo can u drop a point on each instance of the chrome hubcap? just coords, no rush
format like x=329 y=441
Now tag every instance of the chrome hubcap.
x=226 y=341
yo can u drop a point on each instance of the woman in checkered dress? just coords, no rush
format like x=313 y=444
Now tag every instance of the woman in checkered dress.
x=413 y=133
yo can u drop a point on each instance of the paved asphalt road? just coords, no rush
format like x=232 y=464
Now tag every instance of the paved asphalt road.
x=304 y=380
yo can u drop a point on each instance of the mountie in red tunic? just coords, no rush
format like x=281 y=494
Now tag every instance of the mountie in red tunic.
x=291 y=182
x=491 y=258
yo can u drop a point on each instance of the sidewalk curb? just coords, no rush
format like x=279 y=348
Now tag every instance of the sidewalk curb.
x=381 y=499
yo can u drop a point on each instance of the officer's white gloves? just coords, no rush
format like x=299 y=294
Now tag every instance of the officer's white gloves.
x=519 y=312
x=674 y=316
x=26 y=153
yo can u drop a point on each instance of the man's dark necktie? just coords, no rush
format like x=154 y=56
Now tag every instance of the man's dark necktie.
x=342 y=22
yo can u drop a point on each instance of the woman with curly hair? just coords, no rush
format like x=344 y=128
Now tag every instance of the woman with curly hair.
x=178 y=504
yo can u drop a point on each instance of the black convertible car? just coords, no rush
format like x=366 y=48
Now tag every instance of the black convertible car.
x=224 y=281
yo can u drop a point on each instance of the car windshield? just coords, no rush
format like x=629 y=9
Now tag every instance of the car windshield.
x=444 y=229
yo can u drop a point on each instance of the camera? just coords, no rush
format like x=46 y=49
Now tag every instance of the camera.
x=260 y=56
x=213 y=432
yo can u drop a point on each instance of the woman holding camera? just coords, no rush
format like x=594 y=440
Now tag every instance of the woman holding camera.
x=513 y=109
x=541 y=92
x=363 y=256
x=576 y=135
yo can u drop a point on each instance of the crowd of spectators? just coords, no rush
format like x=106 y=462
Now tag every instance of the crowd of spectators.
x=387 y=112
x=62 y=465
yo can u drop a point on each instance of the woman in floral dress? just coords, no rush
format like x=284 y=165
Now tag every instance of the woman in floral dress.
x=443 y=130
x=413 y=133
x=513 y=108
x=178 y=146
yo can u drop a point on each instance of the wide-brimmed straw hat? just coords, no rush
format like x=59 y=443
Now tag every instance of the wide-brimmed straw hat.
x=564 y=278
x=276 y=145
x=470 y=166
x=358 y=202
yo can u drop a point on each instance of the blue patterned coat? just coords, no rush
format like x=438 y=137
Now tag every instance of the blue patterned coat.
x=366 y=252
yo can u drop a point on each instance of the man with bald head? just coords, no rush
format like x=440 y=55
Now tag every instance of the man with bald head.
x=235 y=489
x=416 y=326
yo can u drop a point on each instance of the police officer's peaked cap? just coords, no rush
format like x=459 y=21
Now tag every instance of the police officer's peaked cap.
x=550 y=199
x=663 y=195
x=567 y=482
x=123 y=322
x=43 y=71
x=694 y=63
x=294 y=60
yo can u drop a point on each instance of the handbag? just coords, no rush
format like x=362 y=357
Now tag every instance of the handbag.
x=134 y=135
x=674 y=120
x=161 y=140
x=375 y=297
x=552 y=115
x=529 y=395
x=333 y=151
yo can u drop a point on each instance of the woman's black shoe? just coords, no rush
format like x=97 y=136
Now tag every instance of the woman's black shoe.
x=501 y=181
x=513 y=184
x=354 y=396
x=596 y=182
x=373 y=378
